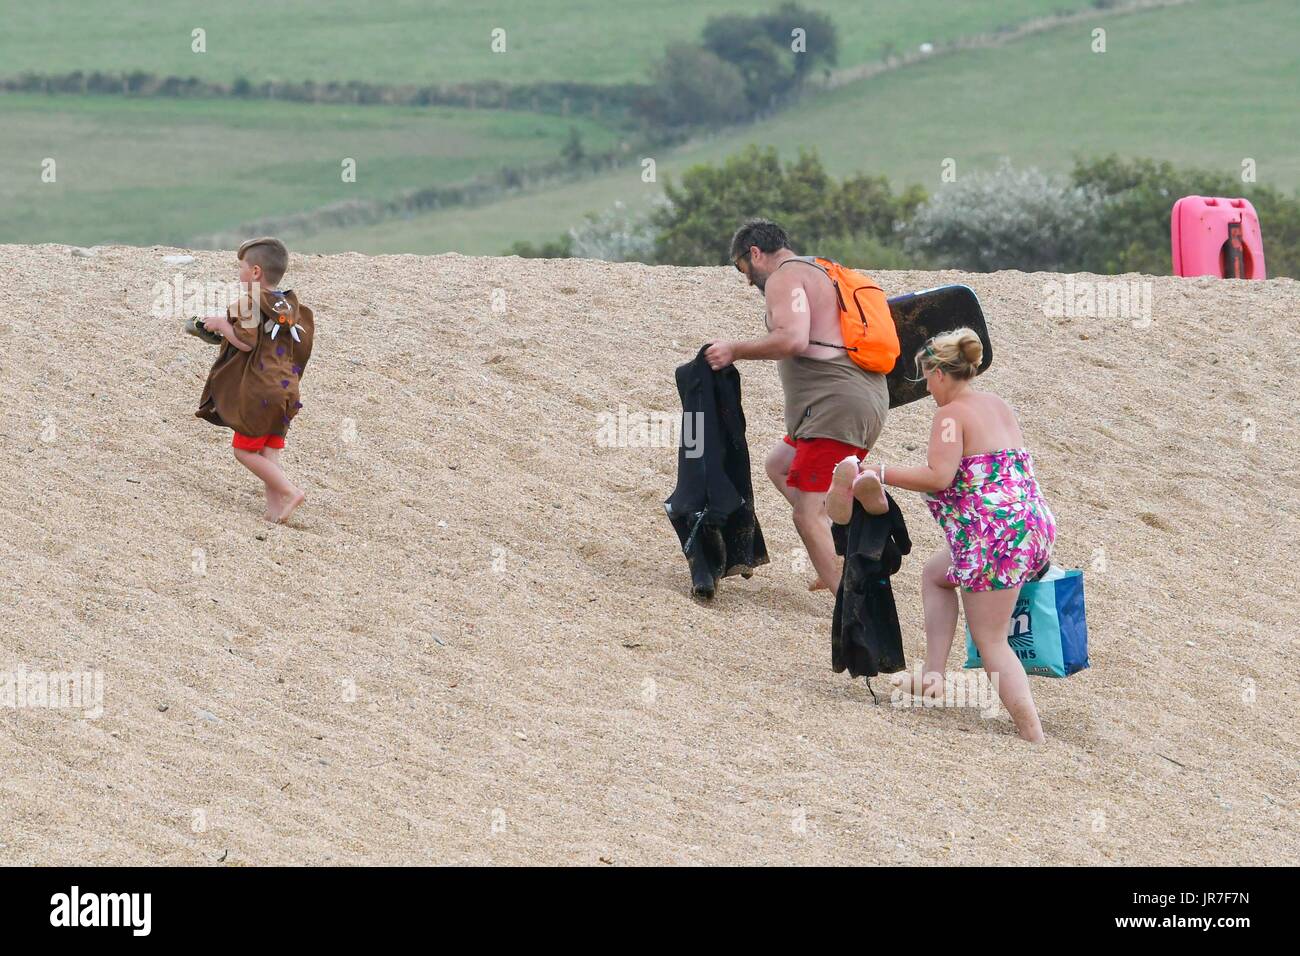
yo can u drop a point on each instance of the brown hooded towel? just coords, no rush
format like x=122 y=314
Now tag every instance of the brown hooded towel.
x=256 y=393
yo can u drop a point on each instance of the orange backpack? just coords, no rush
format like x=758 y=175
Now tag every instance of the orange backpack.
x=866 y=323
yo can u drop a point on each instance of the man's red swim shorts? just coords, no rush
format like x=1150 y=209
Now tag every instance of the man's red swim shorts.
x=249 y=443
x=815 y=460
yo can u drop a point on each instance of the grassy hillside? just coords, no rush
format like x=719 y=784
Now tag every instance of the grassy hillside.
x=405 y=41
x=150 y=171
x=1041 y=101
x=161 y=170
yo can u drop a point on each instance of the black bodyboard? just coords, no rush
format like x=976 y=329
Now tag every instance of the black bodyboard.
x=920 y=315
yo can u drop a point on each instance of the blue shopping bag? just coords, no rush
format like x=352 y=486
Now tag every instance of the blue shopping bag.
x=1049 y=629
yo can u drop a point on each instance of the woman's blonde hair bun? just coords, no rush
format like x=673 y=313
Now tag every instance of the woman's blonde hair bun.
x=958 y=353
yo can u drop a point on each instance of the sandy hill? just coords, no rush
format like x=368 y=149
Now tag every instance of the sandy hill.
x=476 y=642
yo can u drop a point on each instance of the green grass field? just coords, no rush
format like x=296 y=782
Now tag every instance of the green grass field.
x=437 y=41
x=159 y=170
x=163 y=170
x=145 y=171
x=1042 y=101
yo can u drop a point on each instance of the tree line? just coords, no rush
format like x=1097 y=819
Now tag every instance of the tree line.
x=1109 y=215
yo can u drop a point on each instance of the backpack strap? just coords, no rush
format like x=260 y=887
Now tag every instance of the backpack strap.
x=810 y=260
x=839 y=297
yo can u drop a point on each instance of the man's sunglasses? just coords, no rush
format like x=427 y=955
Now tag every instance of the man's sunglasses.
x=736 y=261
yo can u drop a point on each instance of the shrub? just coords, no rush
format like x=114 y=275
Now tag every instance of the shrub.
x=767 y=70
x=692 y=86
x=760 y=47
x=572 y=152
x=554 y=249
x=711 y=201
x=619 y=234
x=869 y=254
x=865 y=206
x=1007 y=219
x=822 y=45
x=1132 y=232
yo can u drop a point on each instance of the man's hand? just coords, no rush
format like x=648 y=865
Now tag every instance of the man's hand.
x=719 y=355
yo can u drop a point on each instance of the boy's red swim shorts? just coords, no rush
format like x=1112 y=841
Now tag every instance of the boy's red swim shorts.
x=249 y=443
x=815 y=460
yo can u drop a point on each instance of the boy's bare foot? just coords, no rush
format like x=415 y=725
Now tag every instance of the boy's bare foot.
x=839 y=500
x=274 y=505
x=931 y=684
x=291 y=505
x=868 y=490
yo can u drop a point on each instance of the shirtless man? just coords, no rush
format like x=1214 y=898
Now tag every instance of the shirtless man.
x=833 y=408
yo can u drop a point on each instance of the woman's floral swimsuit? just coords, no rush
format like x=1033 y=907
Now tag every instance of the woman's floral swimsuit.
x=999 y=528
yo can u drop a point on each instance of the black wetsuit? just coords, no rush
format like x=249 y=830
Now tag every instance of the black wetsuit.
x=712 y=507
x=865 y=636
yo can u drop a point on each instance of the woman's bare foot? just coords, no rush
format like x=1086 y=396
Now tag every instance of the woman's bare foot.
x=870 y=493
x=931 y=684
x=839 y=500
x=291 y=505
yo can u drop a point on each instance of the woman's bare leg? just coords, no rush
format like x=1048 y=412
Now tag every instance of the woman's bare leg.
x=989 y=614
x=939 y=605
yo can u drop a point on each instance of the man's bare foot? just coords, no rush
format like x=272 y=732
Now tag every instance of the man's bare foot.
x=839 y=500
x=291 y=505
x=818 y=585
x=868 y=490
x=931 y=684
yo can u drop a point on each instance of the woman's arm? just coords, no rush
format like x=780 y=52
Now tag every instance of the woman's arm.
x=944 y=458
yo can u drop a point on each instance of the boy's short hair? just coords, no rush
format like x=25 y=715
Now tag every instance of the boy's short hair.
x=268 y=253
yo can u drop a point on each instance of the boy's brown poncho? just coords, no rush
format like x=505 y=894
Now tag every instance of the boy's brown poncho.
x=256 y=393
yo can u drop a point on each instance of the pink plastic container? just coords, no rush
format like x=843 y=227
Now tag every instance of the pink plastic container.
x=1213 y=236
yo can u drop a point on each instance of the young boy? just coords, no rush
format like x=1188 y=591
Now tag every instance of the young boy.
x=253 y=385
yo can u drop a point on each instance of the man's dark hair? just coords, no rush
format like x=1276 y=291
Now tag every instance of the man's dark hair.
x=764 y=233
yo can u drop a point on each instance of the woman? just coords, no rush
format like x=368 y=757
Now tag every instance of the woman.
x=981 y=489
